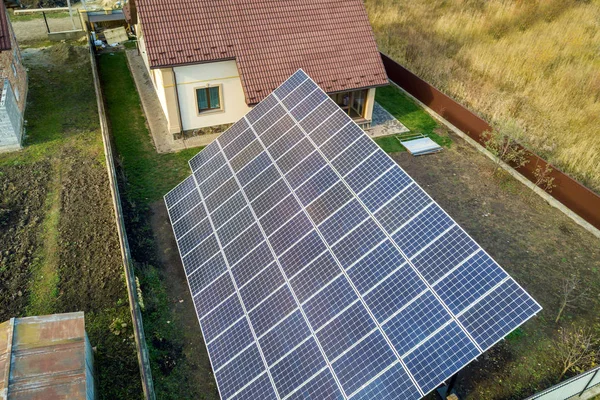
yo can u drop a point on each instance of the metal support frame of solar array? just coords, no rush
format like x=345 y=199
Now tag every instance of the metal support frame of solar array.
x=320 y=269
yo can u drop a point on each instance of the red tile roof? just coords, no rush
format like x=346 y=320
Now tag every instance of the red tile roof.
x=4 y=29
x=331 y=40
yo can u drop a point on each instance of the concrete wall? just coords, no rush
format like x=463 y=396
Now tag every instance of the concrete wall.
x=224 y=74
x=66 y=35
x=11 y=120
x=14 y=95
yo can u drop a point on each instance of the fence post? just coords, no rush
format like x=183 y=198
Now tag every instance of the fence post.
x=588 y=384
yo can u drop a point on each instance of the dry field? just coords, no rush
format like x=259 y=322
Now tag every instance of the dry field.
x=528 y=66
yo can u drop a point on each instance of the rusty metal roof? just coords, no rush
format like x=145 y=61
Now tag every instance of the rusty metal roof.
x=4 y=29
x=331 y=40
x=44 y=358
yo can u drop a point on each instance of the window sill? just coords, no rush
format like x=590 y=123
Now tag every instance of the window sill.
x=210 y=112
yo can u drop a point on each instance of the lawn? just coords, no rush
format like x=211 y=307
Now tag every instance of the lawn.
x=417 y=120
x=60 y=250
x=180 y=366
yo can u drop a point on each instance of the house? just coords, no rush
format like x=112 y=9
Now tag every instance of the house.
x=13 y=84
x=211 y=61
x=47 y=357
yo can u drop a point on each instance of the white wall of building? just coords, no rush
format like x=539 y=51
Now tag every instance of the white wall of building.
x=224 y=74
x=11 y=120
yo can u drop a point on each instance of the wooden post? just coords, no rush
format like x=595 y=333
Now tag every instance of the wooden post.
x=71 y=13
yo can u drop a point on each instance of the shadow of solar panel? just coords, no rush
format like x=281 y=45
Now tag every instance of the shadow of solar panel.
x=320 y=269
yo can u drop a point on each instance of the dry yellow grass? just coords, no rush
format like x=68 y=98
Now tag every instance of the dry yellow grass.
x=530 y=63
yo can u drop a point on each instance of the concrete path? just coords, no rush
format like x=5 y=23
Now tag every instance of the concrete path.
x=384 y=123
x=157 y=122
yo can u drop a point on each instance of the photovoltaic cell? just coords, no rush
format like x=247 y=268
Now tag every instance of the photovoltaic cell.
x=235 y=375
x=214 y=294
x=289 y=373
x=320 y=269
x=440 y=356
x=230 y=343
x=261 y=389
x=345 y=330
x=284 y=337
x=363 y=362
x=322 y=387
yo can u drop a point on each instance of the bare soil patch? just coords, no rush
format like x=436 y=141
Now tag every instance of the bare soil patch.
x=58 y=239
x=23 y=190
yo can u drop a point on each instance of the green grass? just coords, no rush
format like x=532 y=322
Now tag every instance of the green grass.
x=389 y=144
x=149 y=175
x=49 y=15
x=411 y=115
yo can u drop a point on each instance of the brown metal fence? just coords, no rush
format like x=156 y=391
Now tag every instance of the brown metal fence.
x=568 y=191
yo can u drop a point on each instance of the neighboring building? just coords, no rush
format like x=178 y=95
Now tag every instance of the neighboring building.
x=46 y=357
x=13 y=84
x=210 y=61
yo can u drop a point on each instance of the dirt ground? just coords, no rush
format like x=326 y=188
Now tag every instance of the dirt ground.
x=23 y=191
x=58 y=239
x=35 y=29
x=182 y=306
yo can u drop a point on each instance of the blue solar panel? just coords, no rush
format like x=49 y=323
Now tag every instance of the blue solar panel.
x=320 y=269
x=217 y=292
x=363 y=362
x=322 y=387
x=230 y=343
x=202 y=272
x=289 y=373
x=236 y=374
x=261 y=388
x=284 y=337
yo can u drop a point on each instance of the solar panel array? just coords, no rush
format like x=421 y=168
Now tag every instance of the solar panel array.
x=319 y=269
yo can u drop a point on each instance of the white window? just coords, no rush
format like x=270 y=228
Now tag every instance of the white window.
x=17 y=93
x=14 y=69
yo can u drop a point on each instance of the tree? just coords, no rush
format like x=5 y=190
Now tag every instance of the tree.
x=503 y=143
x=576 y=349
x=572 y=293
x=543 y=178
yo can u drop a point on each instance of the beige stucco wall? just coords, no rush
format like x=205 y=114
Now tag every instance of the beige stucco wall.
x=142 y=44
x=369 y=104
x=224 y=74
x=165 y=89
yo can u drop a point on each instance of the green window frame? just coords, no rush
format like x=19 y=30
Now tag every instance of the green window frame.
x=208 y=98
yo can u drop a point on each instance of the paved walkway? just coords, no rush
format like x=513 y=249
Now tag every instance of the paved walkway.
x=157 y=122
x=384 y=123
